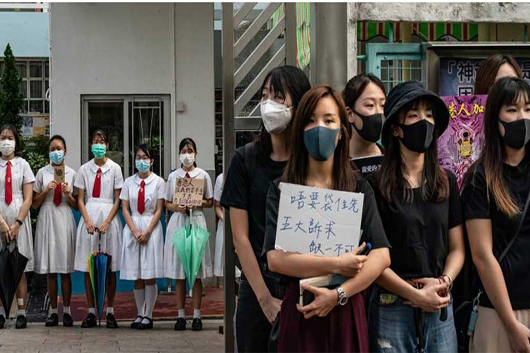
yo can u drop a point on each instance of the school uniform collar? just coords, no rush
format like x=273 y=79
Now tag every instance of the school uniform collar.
x=104 y=168
x=147 y=180
x=51 y=169
x=13 y=161
x=182 y=173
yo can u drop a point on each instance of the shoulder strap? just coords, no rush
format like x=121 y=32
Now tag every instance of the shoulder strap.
x=250 y=162
x=519 y=227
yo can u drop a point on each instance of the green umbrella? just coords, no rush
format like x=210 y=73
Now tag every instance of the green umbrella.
x=190 y=242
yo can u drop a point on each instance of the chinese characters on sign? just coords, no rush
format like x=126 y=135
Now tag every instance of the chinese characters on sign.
x=457 y=75
x=318 y=221
x=460 y=145
x=189 y=192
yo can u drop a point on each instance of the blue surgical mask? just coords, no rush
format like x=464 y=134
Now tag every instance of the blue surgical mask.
x=142 y=166
x=320 y=142
x=56 y=157
x=99 y=150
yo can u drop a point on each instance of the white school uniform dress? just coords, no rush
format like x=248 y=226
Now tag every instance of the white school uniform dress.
x=21 y=175
x=98 y=210
x=219 y=258
x=172 y=266
x=56 y=228
x=143 y=261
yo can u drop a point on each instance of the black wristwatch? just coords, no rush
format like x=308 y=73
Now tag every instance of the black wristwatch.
x=19 y=222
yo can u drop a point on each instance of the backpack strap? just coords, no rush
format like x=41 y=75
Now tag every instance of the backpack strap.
x=250 y=163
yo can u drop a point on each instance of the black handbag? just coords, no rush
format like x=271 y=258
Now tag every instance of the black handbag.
x=466 y=312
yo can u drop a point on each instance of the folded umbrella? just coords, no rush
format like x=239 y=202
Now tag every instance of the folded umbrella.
x=190 y=242
x=12 y=266
x=98 y=265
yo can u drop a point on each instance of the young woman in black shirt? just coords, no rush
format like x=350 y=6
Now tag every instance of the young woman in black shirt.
x=247 y=182
x=335 y=321
x=364 y=96
x=420 y=208
x=494 y=194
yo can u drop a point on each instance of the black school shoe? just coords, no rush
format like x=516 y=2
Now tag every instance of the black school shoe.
x=111 y=321
x=180 y=325
x=2 y=321
x=135 y=323
x=52 y=320
x=22 y=322
x=90 y=321
x=196 y=325
x=147 y=326
x=67 y=320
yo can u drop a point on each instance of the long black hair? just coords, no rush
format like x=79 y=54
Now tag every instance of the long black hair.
x=284 y=80
x=13 y=129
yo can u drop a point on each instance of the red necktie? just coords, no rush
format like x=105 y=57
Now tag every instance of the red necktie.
x=97 y=184
x=58 y=194
x=9 y=186
x=141 y=198
x=188 y=175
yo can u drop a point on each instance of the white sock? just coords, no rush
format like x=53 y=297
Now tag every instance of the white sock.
x=53 y=311
x=181 y=314
x=21 y=312
x=66 y=310
x=196 y=313
x=110 y=310
x=151 y=293
x=2 y=311
x=139 y=296
x=92 y=311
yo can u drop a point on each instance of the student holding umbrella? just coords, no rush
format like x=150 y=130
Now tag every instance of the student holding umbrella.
x=335 y=320
x=16 y=192
x=173 y=265
x=410 y=309
x=56 y=228
x=101 y=180
x=143 y=241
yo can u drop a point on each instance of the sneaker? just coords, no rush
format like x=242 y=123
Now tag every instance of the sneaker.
x=111 y=321
x=67 y=320
x=52 y=320
x=136 y=322
x=22 y=322
x=90 y=321
x=2 y=321
x=196 y=324
x=145 y=326
x=180 y=325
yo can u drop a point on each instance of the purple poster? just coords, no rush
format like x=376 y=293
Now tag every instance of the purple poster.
x=460 y=145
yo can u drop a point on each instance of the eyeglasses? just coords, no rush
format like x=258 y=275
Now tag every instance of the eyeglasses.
x=144 y=158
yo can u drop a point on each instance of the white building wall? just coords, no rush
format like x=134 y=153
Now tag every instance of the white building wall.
x=125 y=48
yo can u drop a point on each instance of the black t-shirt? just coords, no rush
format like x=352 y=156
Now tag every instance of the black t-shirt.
x=250 y=195
x=371 y=226
x=418 y=230
x=516 y=263
x=368 y=165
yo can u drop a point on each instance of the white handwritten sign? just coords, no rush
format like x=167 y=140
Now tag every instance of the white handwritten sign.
x=318 y=221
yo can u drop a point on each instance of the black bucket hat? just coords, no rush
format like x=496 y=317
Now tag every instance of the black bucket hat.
x=405 y=93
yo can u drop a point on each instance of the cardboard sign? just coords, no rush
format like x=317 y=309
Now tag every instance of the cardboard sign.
x=58 y=174
x=318 y=221
x=189 y=192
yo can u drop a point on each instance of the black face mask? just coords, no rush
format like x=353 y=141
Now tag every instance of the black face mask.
x=372 y=126
x=516 y=133
x=417 y=137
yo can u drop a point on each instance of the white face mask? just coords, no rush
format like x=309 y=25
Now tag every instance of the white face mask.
x=7 y=147
x=187 y=159
x=275 y=116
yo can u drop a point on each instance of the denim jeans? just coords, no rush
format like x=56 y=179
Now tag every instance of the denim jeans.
x=252 y=327
x=392 y=326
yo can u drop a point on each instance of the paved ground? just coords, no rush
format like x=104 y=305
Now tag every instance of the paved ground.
x=38 y=338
